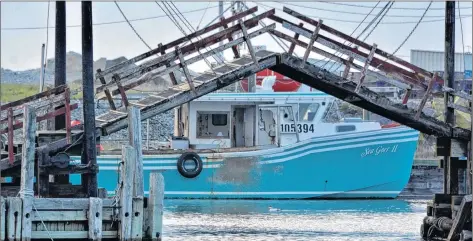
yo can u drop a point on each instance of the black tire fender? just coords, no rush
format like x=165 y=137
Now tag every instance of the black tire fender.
x=187 y=156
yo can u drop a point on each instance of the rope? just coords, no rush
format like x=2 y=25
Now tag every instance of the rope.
x=203 y=15
x=131 y=26
x=30 y=193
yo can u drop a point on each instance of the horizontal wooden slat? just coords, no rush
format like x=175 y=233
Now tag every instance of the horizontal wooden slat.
x=66 y=203
x=54 y=91
x=68 y=215
x=59 y=235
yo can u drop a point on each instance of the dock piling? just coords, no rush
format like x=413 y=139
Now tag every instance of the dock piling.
x=154 y=225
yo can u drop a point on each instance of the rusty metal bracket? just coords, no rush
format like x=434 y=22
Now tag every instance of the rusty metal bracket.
x=314 y=36
x=365 y=67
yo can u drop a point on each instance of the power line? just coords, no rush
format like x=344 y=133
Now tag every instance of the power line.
x=198 y=25
x=131 y=26
x=107 y=23
x=364 y=6
x=351 y=12
x=415 y=27
x=389 y=8
x=357 y=22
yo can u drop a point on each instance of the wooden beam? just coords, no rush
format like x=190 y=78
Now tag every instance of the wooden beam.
x=121 y=90
x=2 y=218
x=135 y=140
x=154 y=226
x=425 y=98
x=150 y=76
x=406 y=96
x=312 y=38
x=95 y=216
x=137 y=219
x=236 y=54
x=10 y=131
x=347 y=67
x=54 y=91
x=183 y=65
x=365 y=67
x=67 y=100
x=178 y=41
x=329 y=83
x=107 y=91
x=27 y=171
x=293 y=45
x=459 y=222
x=171 y=75
x=126 y=191
x=248 y=41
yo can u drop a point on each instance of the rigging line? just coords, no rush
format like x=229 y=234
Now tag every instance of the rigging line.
x=182 y=30
x=364 y=6
x=274 y=38
x=131 y=26
x=357 y=22
x=384 y=14
x=415 y=27
x=338 y=53
x=463 y=43
x=198 y=25
x=106 y=23
x=208 y=24
x=184 y=20
x=350 y=12
x=369 y=34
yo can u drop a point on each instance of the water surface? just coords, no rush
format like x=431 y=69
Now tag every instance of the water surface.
x=298 y=220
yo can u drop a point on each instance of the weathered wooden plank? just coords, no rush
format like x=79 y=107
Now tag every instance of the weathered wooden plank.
x=107 y=91
x=459 y=221
x=186 y=70
x=207 y=87
x=2 y=218
x=154 y=226
x=54 y=91
x=178 y=41
x=248 y=41
x=68 y=215
x=27 y=170
x=425 y=98
x=126 y=191
x=67 y=203
x=95 y=216
x=296 y=37
x=365 y=67
x=357 y=42
x=60 y=235
x=335 y=85
x=14 y=218
x=10 y=132
x=137 y=219
x=135 y=140
x=312 y=38
x=187 y=50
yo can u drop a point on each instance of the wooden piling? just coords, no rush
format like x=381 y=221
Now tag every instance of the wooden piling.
x=154 y=225
x=95 y=218
x=137 y=219
x=126 y=191
x=134 y=135
x=2 y=218
x=27 y=170
x=14 y=218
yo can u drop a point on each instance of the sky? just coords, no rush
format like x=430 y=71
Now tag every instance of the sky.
x=21 y=48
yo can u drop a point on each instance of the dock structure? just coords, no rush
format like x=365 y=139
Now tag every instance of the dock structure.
x=53 y=147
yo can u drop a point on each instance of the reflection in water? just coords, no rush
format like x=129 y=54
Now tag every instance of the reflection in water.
x=297 y=220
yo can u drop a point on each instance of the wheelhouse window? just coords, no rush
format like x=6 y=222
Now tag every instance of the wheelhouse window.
x=307 y=111
x=345 y=128
x=212 y=124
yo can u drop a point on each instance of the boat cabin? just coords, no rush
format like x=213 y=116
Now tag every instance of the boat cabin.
x=258 y=119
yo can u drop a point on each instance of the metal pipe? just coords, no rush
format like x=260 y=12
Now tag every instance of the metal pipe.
x=41 y=73
x=89 y=154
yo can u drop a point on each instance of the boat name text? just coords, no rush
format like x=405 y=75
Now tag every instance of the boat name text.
x=379 y=150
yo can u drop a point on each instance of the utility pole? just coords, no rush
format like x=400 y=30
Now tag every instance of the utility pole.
x=60 y=70
x=450 y=163
x=89 y=150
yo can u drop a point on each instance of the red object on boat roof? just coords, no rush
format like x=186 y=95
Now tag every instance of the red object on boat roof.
x=282 y=84
x=75 y=122
x=391 y=125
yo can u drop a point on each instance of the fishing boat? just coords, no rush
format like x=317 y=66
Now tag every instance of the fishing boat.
x=274 y=145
